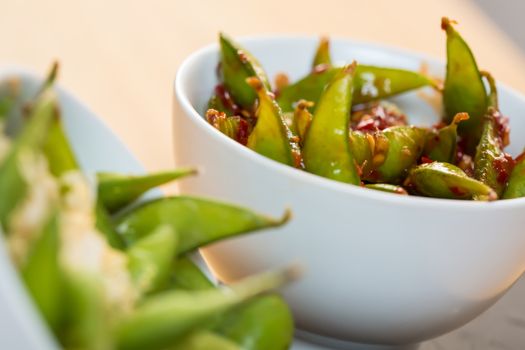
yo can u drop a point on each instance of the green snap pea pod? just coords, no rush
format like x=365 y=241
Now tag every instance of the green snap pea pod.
x=375 y=83
x=516 y=185
x=370 y=83
x=443 y=180
x=377 y=115
x=271 y=136
x=237 y=64
x=369 y=150
x=186 y=275
x=387 y=188
x=61 y=159
x=386 y=156
x=105 y=225
x=404 y=147
x=116 y=191
x=492 y=98
x=87 y=325
x=58 y=151
x=44 y=128
x=50 y=78
x=326 y=149
x=302 y=119
x=464 y=90
x=151 y=257
x=18 y=99
x=42 y=275
x=308 y=88
x=12 y=185
x=262 y=323
x=234 y=127
x=57 y=148
x=197 y=221
x=9 y=97
x=205 y=340
x=164 y=318
x=441 y=144
x=491 y=165
x=322 y=54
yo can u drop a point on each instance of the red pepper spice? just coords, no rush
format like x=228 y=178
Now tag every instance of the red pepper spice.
x=425 y=160
x=244 y=132
x=367 y=125
x=458 y=191
x=376 y=117
x=503 y=166
x=227 y=100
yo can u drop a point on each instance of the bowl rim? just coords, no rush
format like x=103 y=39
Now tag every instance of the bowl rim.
x=316 y=180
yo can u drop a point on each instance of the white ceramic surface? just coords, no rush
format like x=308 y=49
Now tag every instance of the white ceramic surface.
x=97 y=148
x=380 y=268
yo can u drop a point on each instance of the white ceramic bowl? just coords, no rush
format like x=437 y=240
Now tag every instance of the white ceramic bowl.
x=380 y=268
x=97 y=148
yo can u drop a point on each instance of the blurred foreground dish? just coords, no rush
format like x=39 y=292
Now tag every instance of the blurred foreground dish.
x=106 y=272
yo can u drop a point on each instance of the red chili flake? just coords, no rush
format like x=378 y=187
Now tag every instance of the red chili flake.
x=426 y=160
x=366 y=125
x=212 y=115
x=460 y=149
x=376 y=117
x=457 y=190
x=227 y=100
x=503 y=166
x=374 y=175
x=243 y=132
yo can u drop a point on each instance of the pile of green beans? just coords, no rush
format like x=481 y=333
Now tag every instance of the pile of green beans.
x=336 y=122
x=110 y=270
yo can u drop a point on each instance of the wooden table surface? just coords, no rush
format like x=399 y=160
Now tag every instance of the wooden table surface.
x=120 y=58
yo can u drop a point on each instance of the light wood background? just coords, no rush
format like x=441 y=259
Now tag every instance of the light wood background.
x=120 y=56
